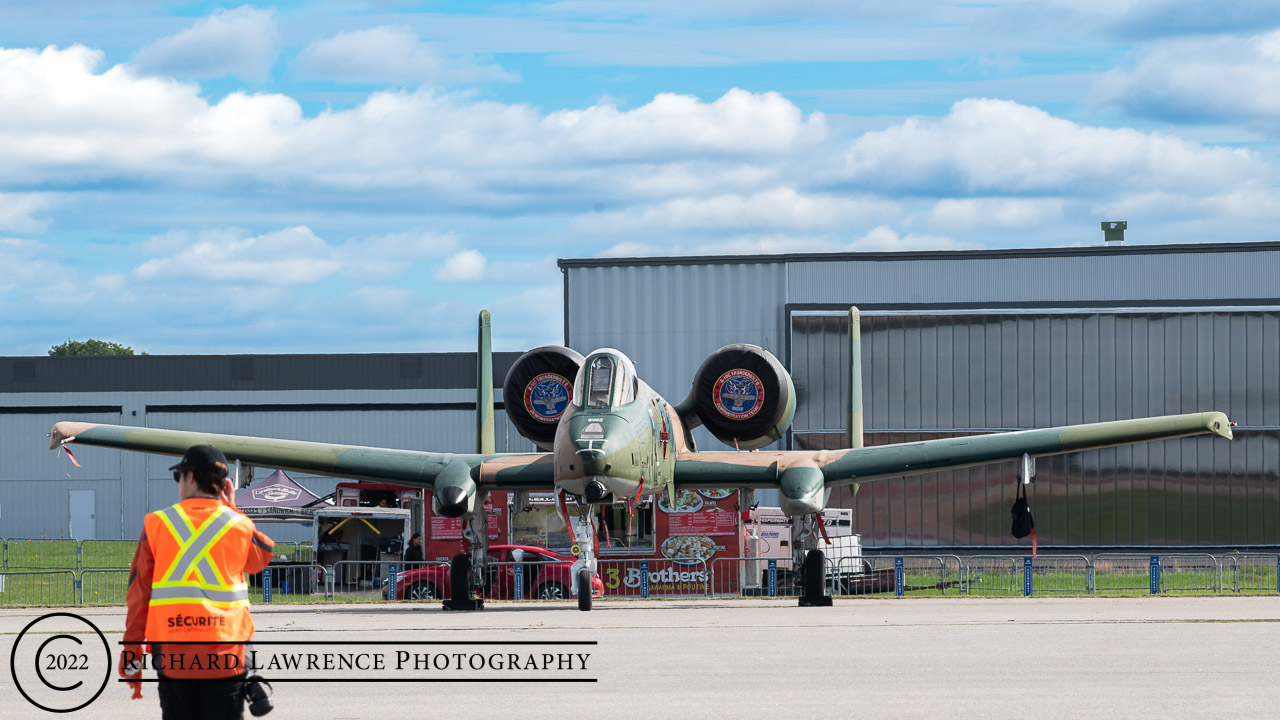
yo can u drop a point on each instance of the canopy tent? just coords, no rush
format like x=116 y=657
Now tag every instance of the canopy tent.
x=278 y=497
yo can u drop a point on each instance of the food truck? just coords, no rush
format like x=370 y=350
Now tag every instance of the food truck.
x=680 y=543
x=368 y=524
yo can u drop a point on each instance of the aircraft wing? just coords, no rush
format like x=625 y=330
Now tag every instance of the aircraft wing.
x=857 y=465
x=415 y=468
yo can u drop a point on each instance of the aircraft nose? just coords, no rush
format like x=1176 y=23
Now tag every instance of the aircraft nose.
x=594 y=464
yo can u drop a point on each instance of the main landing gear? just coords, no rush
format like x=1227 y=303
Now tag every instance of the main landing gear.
x=811 y=561
x=467 y=571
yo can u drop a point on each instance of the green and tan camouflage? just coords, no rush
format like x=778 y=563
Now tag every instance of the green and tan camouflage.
x=624 y=440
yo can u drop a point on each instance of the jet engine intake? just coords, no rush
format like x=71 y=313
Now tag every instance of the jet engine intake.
x=743 y=395
x=538 y=389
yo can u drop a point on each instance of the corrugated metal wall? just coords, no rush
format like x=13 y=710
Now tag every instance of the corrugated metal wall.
x=931 y=376
x=668 y=318
x=995 y=372
x=1113 y=274
x=34 y=481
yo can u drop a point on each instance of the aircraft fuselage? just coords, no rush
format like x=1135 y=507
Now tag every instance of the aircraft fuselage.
x=617 y=446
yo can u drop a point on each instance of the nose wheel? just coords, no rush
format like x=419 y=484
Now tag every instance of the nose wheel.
x=584 y=589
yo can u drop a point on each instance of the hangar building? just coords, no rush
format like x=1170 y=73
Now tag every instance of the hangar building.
x=954 y=343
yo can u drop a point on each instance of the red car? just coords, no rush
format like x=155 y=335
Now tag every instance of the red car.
x=546 y=577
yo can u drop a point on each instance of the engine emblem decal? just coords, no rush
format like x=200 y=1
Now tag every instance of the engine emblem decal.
x=546 y=396
x=738 y=394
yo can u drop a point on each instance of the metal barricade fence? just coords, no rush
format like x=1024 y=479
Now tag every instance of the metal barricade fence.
x=38 y=587
x=103 y=586
x=860 y=576
x=540 y=580
x=952 y=574
x=655 y=577
x=1251 y=573
x=294 y=552
x=1121 y=574
x=41 y=554
x=1060 y=575
x=993 y=575
x=359 y=580
x=1196 y=574
x=107 y=553
x=289 y=582
x=369 y=580
x=737 y=577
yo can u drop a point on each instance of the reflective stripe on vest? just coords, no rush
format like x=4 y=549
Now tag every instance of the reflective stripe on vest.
x=194 y=547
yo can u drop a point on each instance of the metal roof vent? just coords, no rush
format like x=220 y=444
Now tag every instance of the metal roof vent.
x=1113 y=232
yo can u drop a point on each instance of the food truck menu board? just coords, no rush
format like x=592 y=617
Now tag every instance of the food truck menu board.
x=693 y=530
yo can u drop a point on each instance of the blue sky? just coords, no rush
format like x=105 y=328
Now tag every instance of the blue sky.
x=346 y=176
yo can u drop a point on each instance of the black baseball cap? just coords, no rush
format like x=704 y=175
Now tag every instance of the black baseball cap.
x=202 y=457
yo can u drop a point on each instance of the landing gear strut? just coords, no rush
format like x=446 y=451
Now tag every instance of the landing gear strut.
x=582 y=530
x=810 y=561
x=467 y=571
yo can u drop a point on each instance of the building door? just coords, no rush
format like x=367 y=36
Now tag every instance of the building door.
x=83 y=509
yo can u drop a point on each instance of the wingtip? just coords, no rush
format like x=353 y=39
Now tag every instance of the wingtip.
x=1219 y=425
x=65 y=432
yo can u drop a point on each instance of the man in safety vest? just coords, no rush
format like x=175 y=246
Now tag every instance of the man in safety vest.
x=187 y=585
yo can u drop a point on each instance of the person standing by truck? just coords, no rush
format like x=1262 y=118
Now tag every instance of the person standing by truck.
x=187 y=584
x=413 y=553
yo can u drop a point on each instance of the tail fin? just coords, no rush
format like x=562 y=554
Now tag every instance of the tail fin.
x=484 y=388
x=853 y=428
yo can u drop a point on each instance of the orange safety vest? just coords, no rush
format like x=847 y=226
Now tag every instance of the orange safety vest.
x=198 y=591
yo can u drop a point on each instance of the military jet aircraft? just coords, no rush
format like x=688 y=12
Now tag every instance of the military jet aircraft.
x=611 y=438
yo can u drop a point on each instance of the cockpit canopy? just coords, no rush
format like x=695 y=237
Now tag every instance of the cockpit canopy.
x=607 y=379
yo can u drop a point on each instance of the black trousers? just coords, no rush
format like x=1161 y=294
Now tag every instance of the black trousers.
x=202 y=699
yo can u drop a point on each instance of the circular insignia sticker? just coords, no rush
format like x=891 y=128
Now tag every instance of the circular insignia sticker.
x=738 y=394
x=546 y=396
x=576 y=550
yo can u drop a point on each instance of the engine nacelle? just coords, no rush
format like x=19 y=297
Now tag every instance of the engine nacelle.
x=537 y=391
x=741 y=392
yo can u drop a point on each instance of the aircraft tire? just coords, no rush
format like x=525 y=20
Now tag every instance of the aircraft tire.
x=814 y=574
x=584 y=589
x=460 y=578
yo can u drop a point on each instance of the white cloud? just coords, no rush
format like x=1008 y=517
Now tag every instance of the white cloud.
x=242 y=42
x=467 y=265
x=392 y=55
x=777 y=208
x=21 y=262
x=883 y=238
x=294 y=256
x=1221 y=79
x=79 y=124
x=960 y=215
x=996 y=146
x=739 y=122
x=880 y=238
x=389 y=255
x=18 y=211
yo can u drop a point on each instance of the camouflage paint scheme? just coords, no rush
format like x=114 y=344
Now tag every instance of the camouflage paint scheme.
x=636 y=459
x=631 y=442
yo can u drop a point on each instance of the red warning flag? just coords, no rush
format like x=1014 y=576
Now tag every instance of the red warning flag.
x=73 y=457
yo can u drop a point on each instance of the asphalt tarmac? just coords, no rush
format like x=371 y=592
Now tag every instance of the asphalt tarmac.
x=909 y=658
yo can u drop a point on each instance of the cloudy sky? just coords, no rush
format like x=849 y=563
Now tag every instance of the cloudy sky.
x=363 y=176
